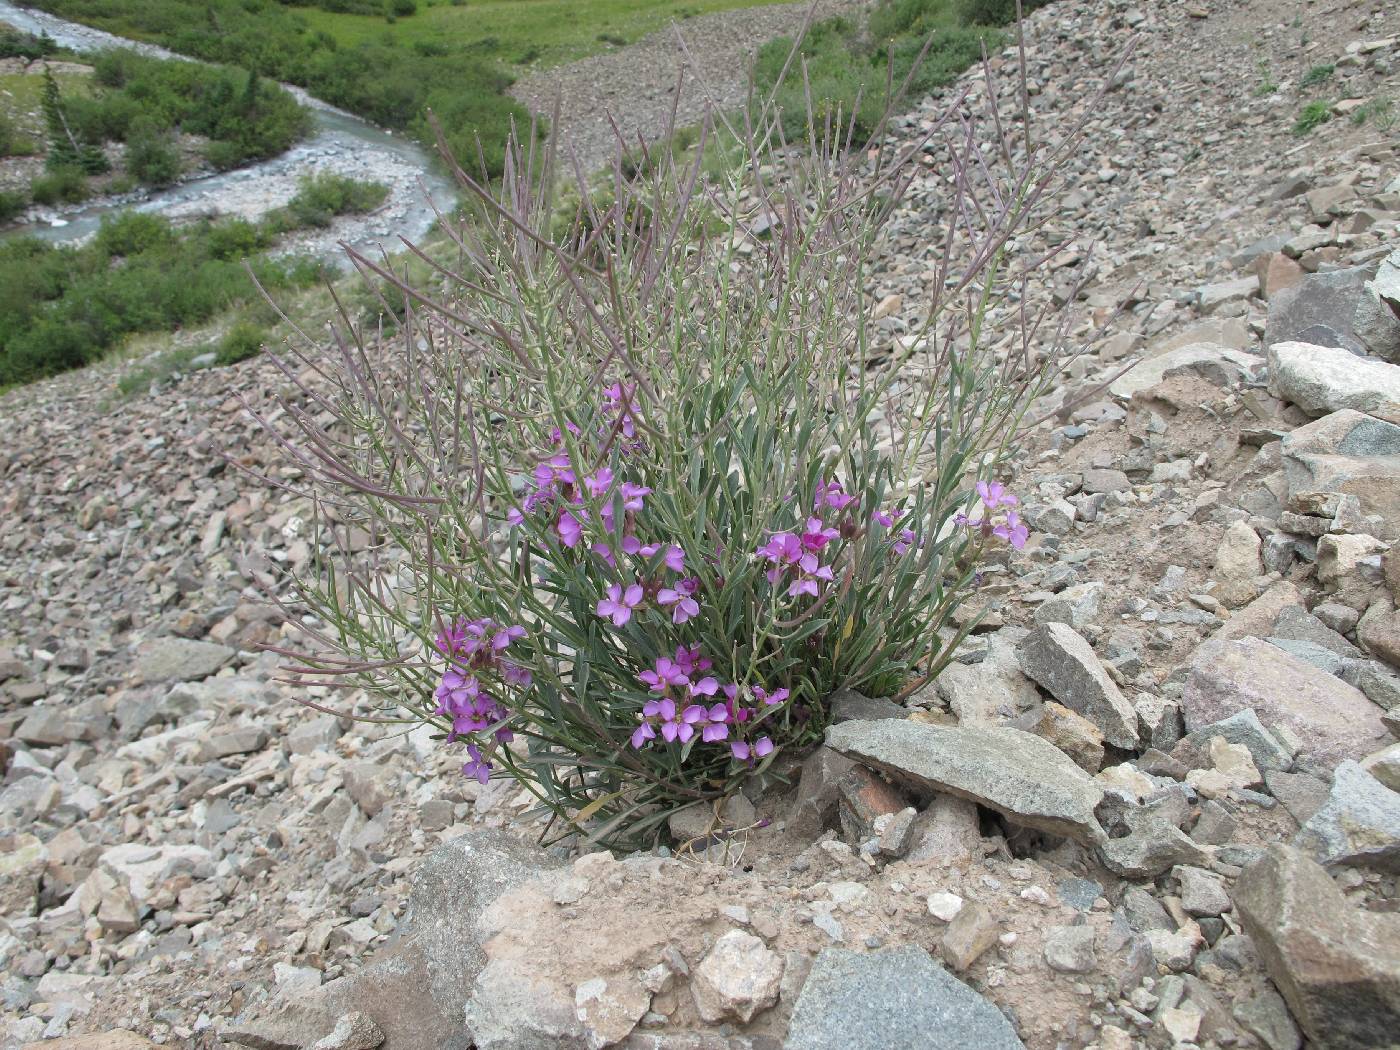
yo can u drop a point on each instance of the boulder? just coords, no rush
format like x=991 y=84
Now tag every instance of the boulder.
x=1359 y=824
x=1219 y=364
x=1057 y=657
x=1352 y=453
x=1334 y=720
x=1333 y=309
x=892 y=999
x=1026 y=779
x=1320 y=379
x=1338 y=967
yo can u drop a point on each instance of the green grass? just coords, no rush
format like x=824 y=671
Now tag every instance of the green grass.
x=1379 y=111
x=455 y=59
x=1312 y=116
x=556 y=31
x=850 y=66
x=64 y=307
x=1317 y=75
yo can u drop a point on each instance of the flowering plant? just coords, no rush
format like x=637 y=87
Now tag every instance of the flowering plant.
x=646 y=494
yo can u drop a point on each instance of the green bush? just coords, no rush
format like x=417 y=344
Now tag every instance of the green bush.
x=1317 y=75
x=62 y=306
x=12 y=202
x=243 y=340
x=151 y=156
x=17 y=44
x=320 y=198
x=1313 y=115
x=66 y=186
x=403 y=8
x=684 y=526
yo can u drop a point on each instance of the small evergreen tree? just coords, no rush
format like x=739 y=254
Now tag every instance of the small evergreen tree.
x=64 y=151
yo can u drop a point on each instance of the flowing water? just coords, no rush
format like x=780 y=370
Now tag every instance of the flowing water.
x=340 y=143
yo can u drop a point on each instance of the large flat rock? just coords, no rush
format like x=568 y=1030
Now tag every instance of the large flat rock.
x=1323 y=379
x=893 y=999
x=1026 y=779
x=1333 y=720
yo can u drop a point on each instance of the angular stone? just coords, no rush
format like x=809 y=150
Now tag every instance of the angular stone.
x=608 y=1009
x=1213 y=296
x=179 y=660
x=846 y=705
x=973 y=931
x=1352 y=453
x=1321 y=379
x=892 y=999
x=1065 y=665
x=1153 y=845
x=948 y=832
x=1333 y=720
x=1237 y=564
x=1338 y=967
x=988 y=692
x=1243 y=728
x=22 y=861
x=1218 y=364
x=865 y=798
x=1266 y=1016
x=818 y=794
x=1322 y=309
x=1384 y=765
x=737 y=979
x=1301 y=793
x=1359 y=824
x=1027 y=780
x=240 y=740
x=1072 y=733
x=1202 y=893
x=116 y=1039
x=1276 y=271
x=352 y=1031
x=1379 y=631
x=1380 y=684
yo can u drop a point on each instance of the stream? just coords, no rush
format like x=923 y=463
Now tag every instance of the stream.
x=340 y=143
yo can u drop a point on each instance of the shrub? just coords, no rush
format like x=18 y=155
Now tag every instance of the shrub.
x=66 y=186
x=320 y=198
x=1313 y=115
x=242 y=341
x=634 y=523
x=151 y=157
x=1317 y=75
x=403 y=8
x=12 y=202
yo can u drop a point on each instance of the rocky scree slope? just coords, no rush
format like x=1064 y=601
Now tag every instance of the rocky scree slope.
x=1154 y=803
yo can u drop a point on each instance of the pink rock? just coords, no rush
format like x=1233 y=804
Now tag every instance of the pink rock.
x=1333 y=720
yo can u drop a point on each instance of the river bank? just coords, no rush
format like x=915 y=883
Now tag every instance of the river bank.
x=342 y=144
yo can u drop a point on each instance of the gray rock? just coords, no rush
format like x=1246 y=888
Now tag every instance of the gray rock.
x=990 y=691
x=1323 y=659
x=893 y=999
x=317 y=733
x=1333 y=720
x=846 y=705
x=1380 y=684
x=1266 y=1016
x=1351 y=453
x=1070 y=949
x=1074 y=606
x=179 y=660
x=417 y=989
x=1054 y=655
x=1338 y=967
x=1079 y=894
x=1359 y=824
x=1320 y=379
x=1153 y=845
x=737 y=979
x=1296 y=623
x=1323 y=309
x=1201 y=892
x=818 y=793
x=1219 y=364
x=1026 y=779
x=1243 y=727
x=1302 y=794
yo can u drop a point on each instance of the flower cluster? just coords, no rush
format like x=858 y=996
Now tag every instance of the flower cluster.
x=689 y=703
x=995 y=517
x=475 y=652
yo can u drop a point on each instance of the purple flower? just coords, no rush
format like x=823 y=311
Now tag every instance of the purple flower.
x=642 y=734
x=816 y=537
x=740 y=750
x=633 y=495
x=802 y=585
x=514 y=516
x=686 y=607
x=666 y=673
x=619 y=603
x=690 y=660
x=884 y=518
x=1013 y=530
x=478 y=767
x=783 y=548
x=762 y=746
x=599 y=483
x=993 y=495
x=777 y=696
x=707 y=686
x=570 y=529
x=831 y=494
x=907 y=538
x=675 y=559
x=502 y=638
